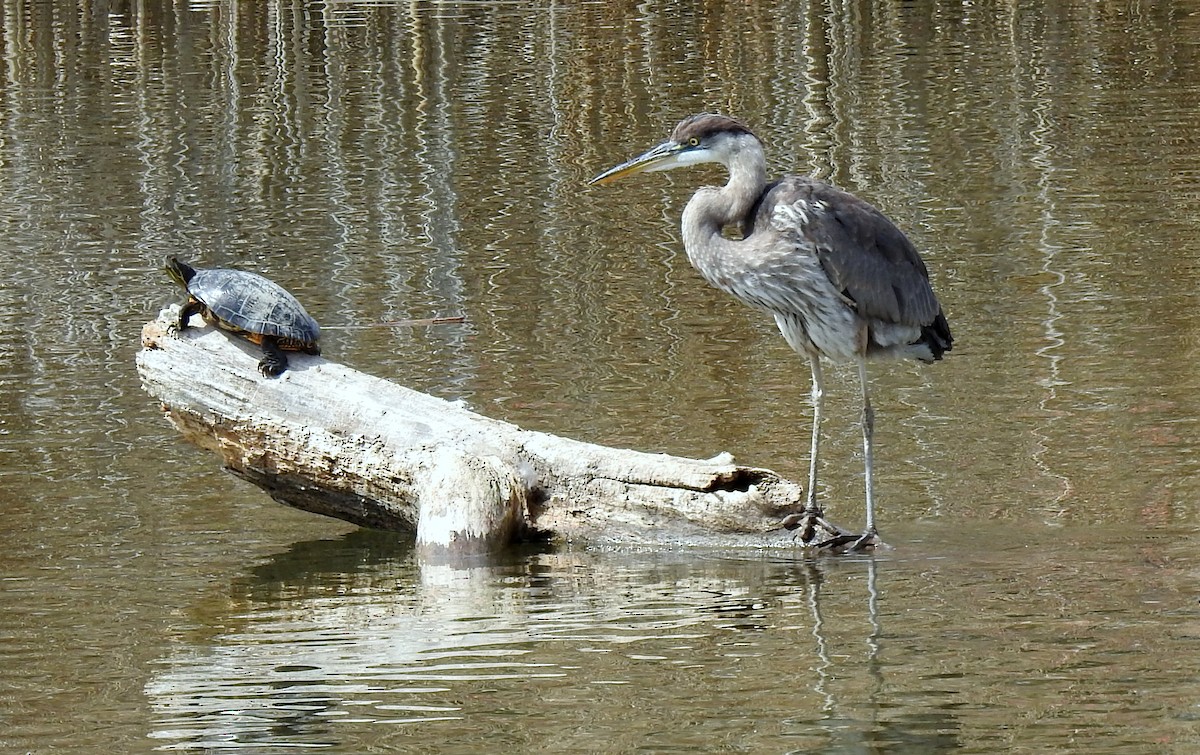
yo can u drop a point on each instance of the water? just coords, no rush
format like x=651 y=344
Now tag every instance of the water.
x=402 y=161
x=683 y=652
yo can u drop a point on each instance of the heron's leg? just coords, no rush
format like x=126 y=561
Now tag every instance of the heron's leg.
x=813 y=517
x=868 y=427
x=818 y=399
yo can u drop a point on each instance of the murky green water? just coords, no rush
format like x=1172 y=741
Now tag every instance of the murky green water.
x=1041 y=486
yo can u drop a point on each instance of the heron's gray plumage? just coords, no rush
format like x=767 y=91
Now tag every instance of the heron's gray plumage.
x=840 y=279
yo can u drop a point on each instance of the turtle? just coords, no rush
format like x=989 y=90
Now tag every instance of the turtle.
x=258 y=309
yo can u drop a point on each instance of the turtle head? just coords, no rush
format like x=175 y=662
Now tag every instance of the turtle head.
x=180 y=272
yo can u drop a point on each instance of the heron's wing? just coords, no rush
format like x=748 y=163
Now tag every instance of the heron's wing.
x=864 y=254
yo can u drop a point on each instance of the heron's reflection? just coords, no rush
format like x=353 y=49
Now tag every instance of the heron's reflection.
x=855 y=716
x=814 y=574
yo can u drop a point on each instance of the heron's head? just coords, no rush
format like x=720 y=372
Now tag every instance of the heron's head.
x=703 y=138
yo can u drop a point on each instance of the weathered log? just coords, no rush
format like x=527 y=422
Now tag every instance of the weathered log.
x=335 y=441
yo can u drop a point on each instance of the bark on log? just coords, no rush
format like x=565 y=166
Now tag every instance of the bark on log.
x=335 y=441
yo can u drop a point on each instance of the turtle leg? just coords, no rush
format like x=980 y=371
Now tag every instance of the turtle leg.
x=274 y=361
x=192 y=307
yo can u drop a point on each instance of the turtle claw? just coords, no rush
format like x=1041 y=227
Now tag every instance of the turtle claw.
x=271 y=367
x=274 y=361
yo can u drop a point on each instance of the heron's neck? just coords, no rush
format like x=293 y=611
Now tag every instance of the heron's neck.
x=711 y=209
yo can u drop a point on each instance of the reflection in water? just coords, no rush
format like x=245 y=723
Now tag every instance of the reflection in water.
x=333 y=639
x=351 y=642
x=931 y=730
x=1043 y=161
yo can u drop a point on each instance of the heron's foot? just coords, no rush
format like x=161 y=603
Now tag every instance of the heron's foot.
x=847 y=541
x=866 y=542
x=809 y=522
x=792 y=521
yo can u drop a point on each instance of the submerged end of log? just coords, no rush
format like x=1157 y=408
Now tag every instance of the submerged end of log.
x=331 y=440
x=474 y=504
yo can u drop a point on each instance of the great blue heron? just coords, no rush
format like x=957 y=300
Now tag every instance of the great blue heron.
x=841 y=280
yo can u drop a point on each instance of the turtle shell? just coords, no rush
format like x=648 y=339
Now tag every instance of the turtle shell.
x=255 y=306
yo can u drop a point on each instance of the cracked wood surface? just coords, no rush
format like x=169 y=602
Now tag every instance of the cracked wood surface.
x=329 y=439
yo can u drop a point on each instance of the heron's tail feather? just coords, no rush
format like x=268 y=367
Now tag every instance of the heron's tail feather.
x=936 y=337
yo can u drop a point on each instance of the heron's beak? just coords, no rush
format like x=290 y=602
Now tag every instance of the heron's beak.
x=661 y=157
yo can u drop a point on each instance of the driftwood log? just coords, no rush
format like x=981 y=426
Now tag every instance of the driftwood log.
x=329 y=439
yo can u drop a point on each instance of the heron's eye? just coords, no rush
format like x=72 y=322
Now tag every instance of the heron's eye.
x=694 y=141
